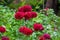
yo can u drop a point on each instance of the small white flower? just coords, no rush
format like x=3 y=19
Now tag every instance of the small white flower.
x=48 y=26
x=55 y=33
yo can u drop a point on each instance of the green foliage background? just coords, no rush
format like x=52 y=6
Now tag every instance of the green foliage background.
x=36 y=4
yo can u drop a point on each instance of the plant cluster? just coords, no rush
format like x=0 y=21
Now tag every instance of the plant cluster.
x=25 y=24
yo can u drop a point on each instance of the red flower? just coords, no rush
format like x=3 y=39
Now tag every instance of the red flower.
x=42 y=38
x=2 y=29
x=34 y=14
x=46 y=9
x=19 y=15
x=26 y=8
x=25 y=30
x=28 y=15
x=5 y=38
x=38 y=26
x=47 y=36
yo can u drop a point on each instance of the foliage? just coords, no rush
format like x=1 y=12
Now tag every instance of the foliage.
x=47 y=18
x=36 y=4
x=59 y=1
x=50 y=21
x=10 y=3
x=6 y=2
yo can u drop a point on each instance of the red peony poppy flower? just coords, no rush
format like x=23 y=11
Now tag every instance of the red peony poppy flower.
x=42 y=38
x=25 y=30
x=28 y=15
x=34 y=14
x=19 y=15
x=46 y=9
x=5 y=38
x=38 y=26
x=2 y=29
x=47 y=36
x=26 y=8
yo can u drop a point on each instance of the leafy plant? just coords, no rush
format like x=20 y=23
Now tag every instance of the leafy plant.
x=47 y=18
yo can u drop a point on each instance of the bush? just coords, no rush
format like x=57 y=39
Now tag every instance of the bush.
x=47 y=18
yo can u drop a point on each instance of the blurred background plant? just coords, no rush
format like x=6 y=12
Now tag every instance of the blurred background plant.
x=36 y=4
x=6 y=2
x=10 y=3
x=59 y=7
